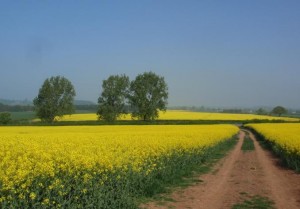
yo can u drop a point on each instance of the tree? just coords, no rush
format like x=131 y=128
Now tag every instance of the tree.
x=55 y=98
x=148 y=95
x=279 y=110
x=5 y=117
x=113 y=97
x=261 y=111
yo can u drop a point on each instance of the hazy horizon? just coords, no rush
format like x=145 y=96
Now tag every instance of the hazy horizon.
x=211 y=53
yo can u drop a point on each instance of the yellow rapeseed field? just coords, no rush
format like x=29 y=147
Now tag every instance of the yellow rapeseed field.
x=286 y=135
x=53 y=166
x=189 y=115
x=184 y=115
x=284 y=139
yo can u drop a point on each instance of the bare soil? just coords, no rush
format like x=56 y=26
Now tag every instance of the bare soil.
x=240 y=173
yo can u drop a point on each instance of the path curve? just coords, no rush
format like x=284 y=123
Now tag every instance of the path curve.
x=253 y=173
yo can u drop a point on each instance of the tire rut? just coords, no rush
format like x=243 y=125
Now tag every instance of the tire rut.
x=238 y=174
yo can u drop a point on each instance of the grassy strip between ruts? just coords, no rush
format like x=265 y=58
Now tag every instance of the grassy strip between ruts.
x=191 y=176
x=248 y=144
x=256 y=201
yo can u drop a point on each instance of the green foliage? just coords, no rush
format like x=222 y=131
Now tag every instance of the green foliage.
x=248 y=144
x=261 y=111
x=114 y=189
x=190 y=175
x=5 y=117
x=149 y=94
x=113 y=97
x=15 y=108
x=23 y=116
x=279 y=110
x=55 y=98
x=256 y=201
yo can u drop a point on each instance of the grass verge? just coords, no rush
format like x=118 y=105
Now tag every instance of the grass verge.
x=248 y=144
x=255 y=201
x=122 y=187
x=191 y=176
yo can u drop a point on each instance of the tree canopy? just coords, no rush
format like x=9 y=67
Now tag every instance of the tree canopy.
x=148 y=95
x=279 y=110
x=55 y=98
x=261 y=111
x=5 y=117
x=113 y=97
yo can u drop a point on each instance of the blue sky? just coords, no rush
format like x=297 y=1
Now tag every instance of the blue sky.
x=211 y=53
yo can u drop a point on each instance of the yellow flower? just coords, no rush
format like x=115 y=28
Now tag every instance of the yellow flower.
x=46 y=201
x=29 y=153
x=32 y=195
x=286 y=135
x=181 y=115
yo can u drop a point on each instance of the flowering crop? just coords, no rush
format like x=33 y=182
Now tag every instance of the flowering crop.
x=184 y=115
x=284 y=138
x=189 y=115
x=76 y=166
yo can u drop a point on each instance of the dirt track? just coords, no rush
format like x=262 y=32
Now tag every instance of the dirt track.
x=253 y=173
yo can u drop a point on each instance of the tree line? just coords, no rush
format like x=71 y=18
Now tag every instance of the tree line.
x=15 y=108
x=145 y=96
x=142 y=97
x=278 y=110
